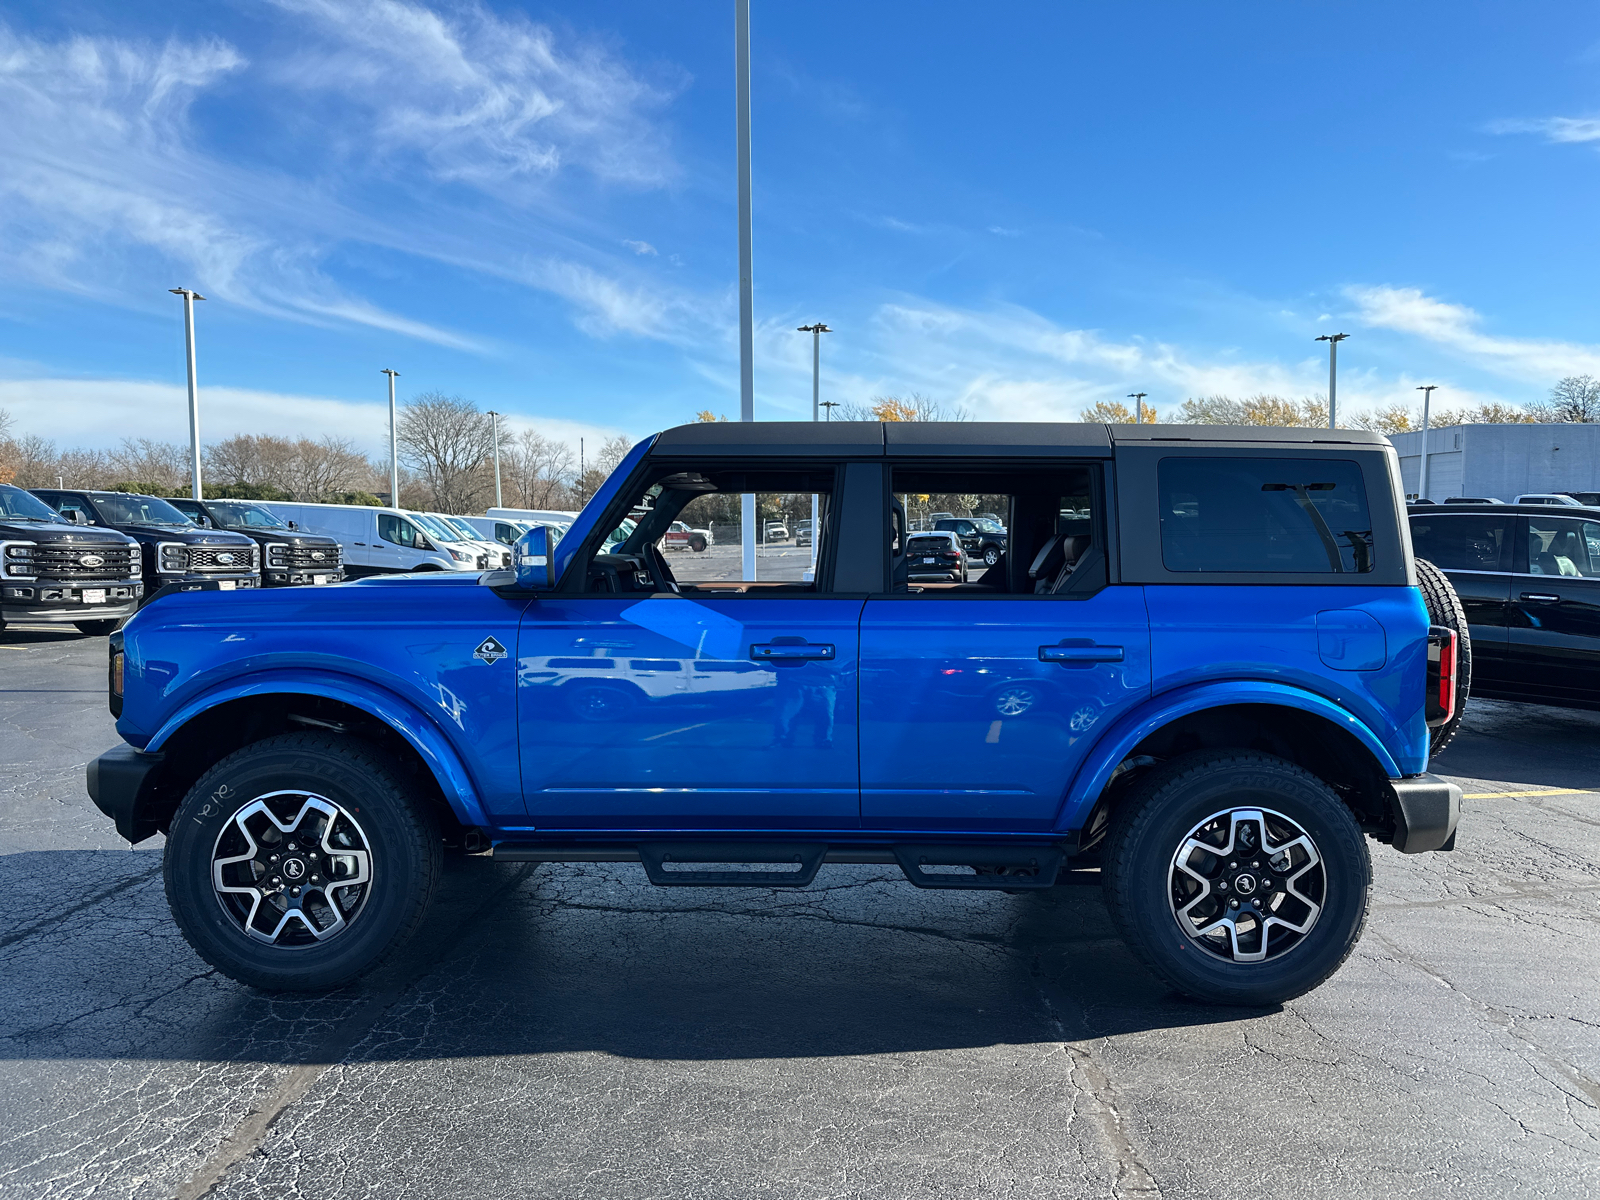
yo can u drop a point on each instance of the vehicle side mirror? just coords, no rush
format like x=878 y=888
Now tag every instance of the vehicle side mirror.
x=292 y=525
x=531 y=560
x=71 y=514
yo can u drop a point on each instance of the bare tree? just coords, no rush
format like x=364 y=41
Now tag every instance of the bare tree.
x=606 y=461
x=1397 y=418
x=322 y=470
x=149 y=463
x=915 y=407
x=447 y=441
x=1573 y=400
x=1309 y=412
x=5 y=425
x=537 y=469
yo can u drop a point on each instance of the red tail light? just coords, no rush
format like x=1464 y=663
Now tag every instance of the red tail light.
x=1442 y=657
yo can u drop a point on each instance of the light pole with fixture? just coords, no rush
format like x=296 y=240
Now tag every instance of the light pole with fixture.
x=747 y=320
x=1333 y=340
x=830 y=405
x=1427 y=391
x=394 y=455
x=1138 y=406
x=189 y=297
x=494 y=424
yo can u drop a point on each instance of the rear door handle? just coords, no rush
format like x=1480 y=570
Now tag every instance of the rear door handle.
x=790 y=651
x=1081 y=655
x=1546 y=597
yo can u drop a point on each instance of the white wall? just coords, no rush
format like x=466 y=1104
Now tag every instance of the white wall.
x=1502 y=461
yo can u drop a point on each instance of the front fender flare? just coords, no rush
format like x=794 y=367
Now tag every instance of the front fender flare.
x=405 y=718
x=1118 y=742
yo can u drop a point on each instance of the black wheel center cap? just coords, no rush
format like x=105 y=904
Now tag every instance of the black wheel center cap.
x=294 y=868
x=1245 y=885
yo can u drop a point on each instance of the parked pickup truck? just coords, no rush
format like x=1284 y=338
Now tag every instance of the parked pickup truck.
x=1208 y=687
x=52 y=572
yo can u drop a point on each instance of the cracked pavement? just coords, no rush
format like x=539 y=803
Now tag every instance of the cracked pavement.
x=571 y=1031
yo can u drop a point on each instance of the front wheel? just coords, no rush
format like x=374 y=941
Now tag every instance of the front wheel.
x=301 y=862
x=991 y=555
x=697 y=544
x=1237 y=877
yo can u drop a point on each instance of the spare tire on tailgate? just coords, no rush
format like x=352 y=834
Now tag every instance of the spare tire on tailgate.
x=1444 y=608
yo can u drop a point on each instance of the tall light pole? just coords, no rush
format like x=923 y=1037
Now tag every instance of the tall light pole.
x=830 y=405
x=816 y=331
x=1333 y=340
x=189 y=297
x=1427 y=391
x=747 y=319
x=1138 y=406
x=494 y=423
x=394 y=453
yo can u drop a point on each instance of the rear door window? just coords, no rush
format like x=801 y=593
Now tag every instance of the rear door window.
x=1563 y=548
x=1469 y=542
x=1264 y=516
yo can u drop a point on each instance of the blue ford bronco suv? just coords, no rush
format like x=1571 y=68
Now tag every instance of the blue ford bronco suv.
x=1206 y=665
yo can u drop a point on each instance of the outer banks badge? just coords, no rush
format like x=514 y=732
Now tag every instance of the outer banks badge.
x=489 y=651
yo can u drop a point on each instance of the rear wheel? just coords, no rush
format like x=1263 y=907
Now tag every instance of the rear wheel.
x=95 y=628
x=1237 y=877
x=301 y=862
x=600 y=702
x=1444 y=608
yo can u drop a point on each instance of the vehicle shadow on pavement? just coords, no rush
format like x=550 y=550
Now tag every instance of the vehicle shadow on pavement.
x=11 y=635
x=514 y=961
x=1526 y=744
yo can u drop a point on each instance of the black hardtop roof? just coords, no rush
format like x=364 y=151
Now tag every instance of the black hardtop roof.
x=999 y=439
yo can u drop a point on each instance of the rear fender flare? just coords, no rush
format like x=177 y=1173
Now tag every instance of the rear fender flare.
x=1119 y=741
x=449 y=770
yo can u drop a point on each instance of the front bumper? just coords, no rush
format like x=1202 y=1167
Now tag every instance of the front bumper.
x=1426 y=812
x=122 y=785
x=298 y=576
x=60 y=601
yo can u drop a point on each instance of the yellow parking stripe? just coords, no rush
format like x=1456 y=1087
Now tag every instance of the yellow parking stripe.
x=1512 y=795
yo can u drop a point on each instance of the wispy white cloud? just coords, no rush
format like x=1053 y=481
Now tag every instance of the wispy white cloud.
x=1553 y=129
x=638 y=247
x=1458 y=328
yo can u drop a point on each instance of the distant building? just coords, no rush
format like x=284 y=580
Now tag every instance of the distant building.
x=1501 y=461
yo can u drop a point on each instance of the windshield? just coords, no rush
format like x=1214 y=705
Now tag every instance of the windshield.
x=466 y=531
x=231 y=514
x=119 y=509
x=18 y=505
x=436 y=528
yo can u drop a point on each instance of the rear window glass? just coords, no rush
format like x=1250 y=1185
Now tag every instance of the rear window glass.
x=928 y=545
x=1264 y=515
x=1465 y=543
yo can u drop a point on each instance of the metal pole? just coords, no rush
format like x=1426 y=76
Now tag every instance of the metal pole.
x=494 y=420
x=189 y=297
x=747 y=321
x=1138 y=400
x=1333 y=340
x=1427 y=400
x=394 y=455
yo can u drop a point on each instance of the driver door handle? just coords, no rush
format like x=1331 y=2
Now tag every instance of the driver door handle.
x=790 y=651
x=1547 y=597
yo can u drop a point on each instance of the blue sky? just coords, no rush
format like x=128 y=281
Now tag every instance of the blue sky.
x=1020 y=208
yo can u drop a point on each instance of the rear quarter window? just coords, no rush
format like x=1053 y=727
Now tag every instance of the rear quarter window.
x=1264 y=516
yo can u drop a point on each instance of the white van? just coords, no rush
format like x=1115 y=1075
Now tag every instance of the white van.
x=376 y=541
x=534 y=516
x=495 y=554
x=505 y=530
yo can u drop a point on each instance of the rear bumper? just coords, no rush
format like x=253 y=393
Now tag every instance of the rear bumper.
x=122 y=785
x=1427 y=810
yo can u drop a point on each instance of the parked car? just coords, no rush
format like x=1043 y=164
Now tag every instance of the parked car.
x=495 y=555
x=1528 y=576
x=289 y=557
x=174 y=553
x=803 y=532
x=54 y=572
x=504 y=530
x=1473 y=500
x=376 y=541
x=1212 y=688
x=937 y=556
x=775 y=531
x=1588 y=499
x=1558 y=499
x=982 y=538
x=680 y=536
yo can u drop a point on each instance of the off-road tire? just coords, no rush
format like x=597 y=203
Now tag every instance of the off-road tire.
x=1147 y=831
x=95 y=628
x=1444 y=608
x=400 y=826
x=697 y=544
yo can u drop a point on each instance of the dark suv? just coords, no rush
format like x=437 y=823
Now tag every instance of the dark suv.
x=1529 y=579
x=983 y=538
x=289 y=557
x=174 y=551
x=54 y=573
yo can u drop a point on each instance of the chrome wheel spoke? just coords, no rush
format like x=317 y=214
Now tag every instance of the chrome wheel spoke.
x=291 y=869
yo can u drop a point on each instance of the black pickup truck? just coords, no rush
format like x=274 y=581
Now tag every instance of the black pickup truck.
x=54 y=573
x=289 y=556
x=174 y=551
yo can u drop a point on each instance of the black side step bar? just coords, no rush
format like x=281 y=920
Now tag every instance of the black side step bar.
x=803 y=859
x=1006 y=867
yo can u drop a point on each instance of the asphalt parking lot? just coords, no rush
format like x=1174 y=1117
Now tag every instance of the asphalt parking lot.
x=573 y=1032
